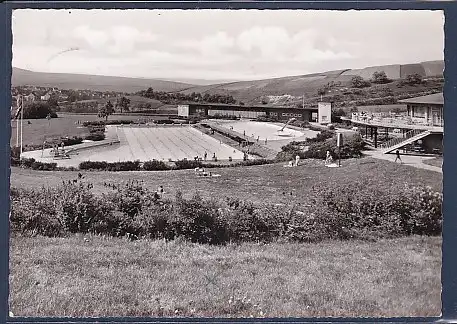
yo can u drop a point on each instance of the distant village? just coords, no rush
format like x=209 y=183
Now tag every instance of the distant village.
x=62 y=96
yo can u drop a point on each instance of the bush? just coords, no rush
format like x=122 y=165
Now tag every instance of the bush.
x=79 y=210
x=155 y=165
x=164 y=121
x=413 y=79
x=359 y=82
x=352 y=147
x=115 y=166
x=72 y=141
x=99 y=123
x=197 y=220
x=380 y=77
x=33 y=212
x=99 y=136
x=93 y=165
x=353 y=210
x=35 y=165
x=188 y=164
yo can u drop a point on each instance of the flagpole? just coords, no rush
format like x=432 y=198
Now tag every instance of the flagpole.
x=22 y=121
x=17 y=120
x=17 y=132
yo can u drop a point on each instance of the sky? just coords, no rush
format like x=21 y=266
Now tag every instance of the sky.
x=221 y=44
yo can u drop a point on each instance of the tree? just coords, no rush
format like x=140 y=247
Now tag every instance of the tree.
x=72 y=96
x=380 y=77
x=321 y=91
x=414 y=79
x=123 y=104
x=106 y=110
x=38 y=110
x=337 y=114
x=358 y=82
x=53 y=102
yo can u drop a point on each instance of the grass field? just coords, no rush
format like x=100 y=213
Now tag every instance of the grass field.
x=272 y=183
x=115 y=277
x=65 y=125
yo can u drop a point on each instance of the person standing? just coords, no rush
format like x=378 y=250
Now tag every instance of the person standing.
x=397 y=156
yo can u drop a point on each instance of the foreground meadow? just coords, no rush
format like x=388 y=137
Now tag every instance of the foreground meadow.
x=95 y=276
x=393 y=274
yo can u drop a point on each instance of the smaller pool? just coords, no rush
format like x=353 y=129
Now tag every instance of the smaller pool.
x=263 y=130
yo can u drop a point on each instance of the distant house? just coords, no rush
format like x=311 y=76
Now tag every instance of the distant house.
x=46 y=97
x=30 y=97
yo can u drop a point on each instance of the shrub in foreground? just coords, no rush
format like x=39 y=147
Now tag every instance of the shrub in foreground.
x=333 y=211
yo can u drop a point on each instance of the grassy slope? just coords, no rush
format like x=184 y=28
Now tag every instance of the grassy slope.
x=272 y=183
x=250 y=92
x=114 y=277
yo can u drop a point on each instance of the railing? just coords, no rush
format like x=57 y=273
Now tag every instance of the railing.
x=399 y=140
x=400 y=121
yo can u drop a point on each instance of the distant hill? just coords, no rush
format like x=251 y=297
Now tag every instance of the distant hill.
x=250 y=92
x=92 y=82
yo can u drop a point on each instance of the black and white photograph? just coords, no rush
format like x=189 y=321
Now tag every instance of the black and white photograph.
x=226 y=163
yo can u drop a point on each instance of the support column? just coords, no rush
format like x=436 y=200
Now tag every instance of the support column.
x=366 y=131
x=371 y=132
x=387 y=133
x=376 y=137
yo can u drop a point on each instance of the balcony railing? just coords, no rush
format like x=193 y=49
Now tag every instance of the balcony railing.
x=398 y=120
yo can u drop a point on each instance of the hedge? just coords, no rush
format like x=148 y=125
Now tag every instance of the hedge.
x=155 y=165
x=333 y=211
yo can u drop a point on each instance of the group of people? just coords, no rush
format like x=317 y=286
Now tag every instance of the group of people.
x=201 y=172
x=56 y=152
x=205 y=157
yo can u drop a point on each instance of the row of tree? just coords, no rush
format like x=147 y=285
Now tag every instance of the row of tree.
x=380 y=77
x=173 y=97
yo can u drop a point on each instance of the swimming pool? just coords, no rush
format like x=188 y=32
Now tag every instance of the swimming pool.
x=264 y=130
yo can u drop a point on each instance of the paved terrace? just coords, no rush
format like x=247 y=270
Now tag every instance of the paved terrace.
x=412 y=160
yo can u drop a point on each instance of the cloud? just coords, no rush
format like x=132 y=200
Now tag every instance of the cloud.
x=275 y=44
x=222 y=44
x=94 y=38
x=115 y=40
x=211 y=45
